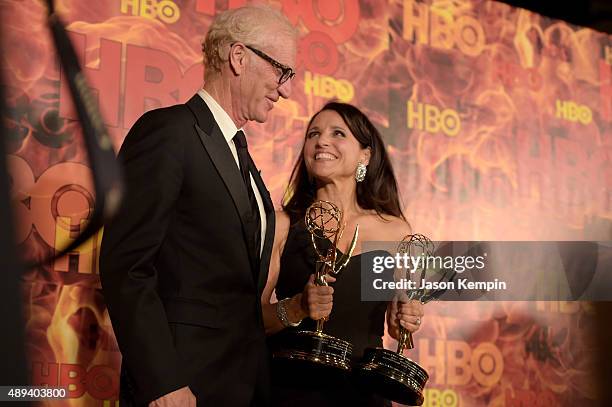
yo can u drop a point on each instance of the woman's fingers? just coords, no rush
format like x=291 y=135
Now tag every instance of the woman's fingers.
x=319 y=298
x=410 y=315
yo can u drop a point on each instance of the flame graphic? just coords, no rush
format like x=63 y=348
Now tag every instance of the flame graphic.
x=470 y=186
x=491 y=114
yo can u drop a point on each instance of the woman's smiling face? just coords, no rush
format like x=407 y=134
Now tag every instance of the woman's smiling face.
x=331 y=152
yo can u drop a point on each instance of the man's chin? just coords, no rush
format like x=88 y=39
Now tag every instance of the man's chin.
x=262 y=117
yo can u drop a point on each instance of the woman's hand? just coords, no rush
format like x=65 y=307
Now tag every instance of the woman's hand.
x=317 y=300
x=407 y=314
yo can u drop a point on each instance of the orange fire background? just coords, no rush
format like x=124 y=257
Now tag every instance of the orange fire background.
x=498 y=122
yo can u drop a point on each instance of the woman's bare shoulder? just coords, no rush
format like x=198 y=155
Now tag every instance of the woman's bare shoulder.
x=388 y=228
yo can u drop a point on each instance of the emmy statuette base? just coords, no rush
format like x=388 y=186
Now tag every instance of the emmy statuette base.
x=319 y=349
x=392 y=375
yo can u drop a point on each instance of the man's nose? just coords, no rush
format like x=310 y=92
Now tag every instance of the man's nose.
x=285 y=89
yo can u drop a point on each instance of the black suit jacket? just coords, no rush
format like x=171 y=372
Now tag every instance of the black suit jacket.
x=177 y=272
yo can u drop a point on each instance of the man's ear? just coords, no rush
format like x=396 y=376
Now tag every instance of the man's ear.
x=237 y=58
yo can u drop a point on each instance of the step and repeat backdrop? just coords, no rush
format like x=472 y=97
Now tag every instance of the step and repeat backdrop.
x=498 y=122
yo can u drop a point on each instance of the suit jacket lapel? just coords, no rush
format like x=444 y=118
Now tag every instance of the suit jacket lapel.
x=270 y=226
x=216 y=146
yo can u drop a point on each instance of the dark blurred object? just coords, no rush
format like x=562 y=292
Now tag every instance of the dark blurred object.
x=105 y=170
x=108 y=186
x=12 y=352
x=603 y=341
x=595 y=14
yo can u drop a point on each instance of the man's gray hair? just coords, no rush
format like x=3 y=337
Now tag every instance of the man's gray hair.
x=245 y=24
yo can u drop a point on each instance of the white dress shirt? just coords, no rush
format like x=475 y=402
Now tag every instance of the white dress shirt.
x=229 y=129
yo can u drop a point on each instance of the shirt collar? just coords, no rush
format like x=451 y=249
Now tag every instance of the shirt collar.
x=224 y=121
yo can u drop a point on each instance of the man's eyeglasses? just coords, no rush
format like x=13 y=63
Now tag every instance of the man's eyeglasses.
x=286 y=72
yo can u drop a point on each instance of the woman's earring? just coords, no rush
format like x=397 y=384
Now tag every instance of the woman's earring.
x=360 y=172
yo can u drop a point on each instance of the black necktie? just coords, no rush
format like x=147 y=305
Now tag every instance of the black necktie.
x=243 y=160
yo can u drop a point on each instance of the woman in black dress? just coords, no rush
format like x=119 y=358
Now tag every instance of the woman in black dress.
x=343 y=161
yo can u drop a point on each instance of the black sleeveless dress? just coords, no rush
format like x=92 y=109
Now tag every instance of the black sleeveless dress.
x=360 y=323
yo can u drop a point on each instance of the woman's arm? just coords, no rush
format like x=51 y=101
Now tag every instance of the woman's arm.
x=315 y=301
x=272 y=323
x=401 y=311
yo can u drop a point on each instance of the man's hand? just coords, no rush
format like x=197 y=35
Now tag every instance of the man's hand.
x=178 y=398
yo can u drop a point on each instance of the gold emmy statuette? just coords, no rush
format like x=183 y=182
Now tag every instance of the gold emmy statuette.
x=324 y=221
x=391 y=374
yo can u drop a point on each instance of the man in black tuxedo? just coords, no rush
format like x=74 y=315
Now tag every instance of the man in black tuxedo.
x=184 y=264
